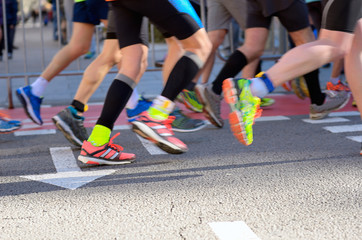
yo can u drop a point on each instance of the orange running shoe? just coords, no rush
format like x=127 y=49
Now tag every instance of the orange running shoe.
x=337 y=87
x=109 y=154
x=159 y=132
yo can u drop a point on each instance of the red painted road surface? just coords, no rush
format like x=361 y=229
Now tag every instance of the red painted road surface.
x=285 y=105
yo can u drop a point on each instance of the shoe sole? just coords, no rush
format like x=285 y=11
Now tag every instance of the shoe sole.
x=319 y=116
x=235 y=116
x=189 y=130
x=24 y=100
x=67 y=132
x=96 y=161
x=146 y=132
x=297 y=90
x=10 y=131
x=206 y=109
x=303 y=86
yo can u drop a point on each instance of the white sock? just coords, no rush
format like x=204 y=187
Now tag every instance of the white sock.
x=258 y=88
x=133 y=100
x=38 y=87
x=334 y=80
x=165 y=104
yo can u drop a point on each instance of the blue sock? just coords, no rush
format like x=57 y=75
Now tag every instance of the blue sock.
x=267 y=82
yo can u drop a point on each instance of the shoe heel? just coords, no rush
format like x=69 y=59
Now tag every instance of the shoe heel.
x=229 y=91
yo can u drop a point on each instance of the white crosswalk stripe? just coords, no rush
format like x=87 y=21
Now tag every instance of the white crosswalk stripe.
x=337 y=117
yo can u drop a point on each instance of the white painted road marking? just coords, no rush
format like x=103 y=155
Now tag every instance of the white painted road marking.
x=344 y=128
x=326 y=120
x=233 y=231
x=122 y=127
x=35 y=132
x=344 y=114
x=271 y=118
x=355 y=138
x=68 y=175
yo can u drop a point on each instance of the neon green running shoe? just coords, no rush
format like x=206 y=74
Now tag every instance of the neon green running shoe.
x=244 y=108
x=265 y=102
x=189 y=99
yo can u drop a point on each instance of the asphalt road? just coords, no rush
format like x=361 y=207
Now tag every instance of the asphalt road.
x=298 y=180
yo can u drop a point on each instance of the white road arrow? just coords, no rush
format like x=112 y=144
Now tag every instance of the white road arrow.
x=68 y=175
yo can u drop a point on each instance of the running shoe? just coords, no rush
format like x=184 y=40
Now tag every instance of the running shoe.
x=300 y=88
x=109 y=154
x=6 y=118
x=183 y=123
x=31 y=104
x=159 y=132
x=89 y=55
x=142 y=105
x=354 y=104
x=7 y=127
x=189 y=99
x=265 y=102
x=334 y=100
x=287 y=86
x=212 y=104
x=337 y=87
x=244 y=108
x=71 y=126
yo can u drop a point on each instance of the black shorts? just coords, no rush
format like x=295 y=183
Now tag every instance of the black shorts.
x=341 y=15
x=90 y=11
x=111 y=29
x=128 y=20
x=293 y=18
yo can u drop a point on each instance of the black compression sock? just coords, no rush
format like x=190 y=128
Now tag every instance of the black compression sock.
x=117 y=96
x=315 y=92
x=232 y=67
x=181 y=75
x=190 y=86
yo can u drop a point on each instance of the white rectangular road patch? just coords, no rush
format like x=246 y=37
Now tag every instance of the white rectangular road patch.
x=326 y=120
x=122 y=127
x=271 y=118
x=344 y=114
x=233 y=231
x=355 y=138
x=35 y=132
x=344 y=128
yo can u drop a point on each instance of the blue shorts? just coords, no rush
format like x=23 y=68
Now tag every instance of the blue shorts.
x=90 y=11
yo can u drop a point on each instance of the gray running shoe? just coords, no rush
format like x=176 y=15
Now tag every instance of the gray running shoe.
x=212 y=104
x=334 y=101
x=182 y=123
x=72 y=128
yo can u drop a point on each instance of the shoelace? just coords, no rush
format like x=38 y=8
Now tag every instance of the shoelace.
x=114 y=146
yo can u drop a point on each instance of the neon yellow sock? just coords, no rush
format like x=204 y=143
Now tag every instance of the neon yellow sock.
x=157 y=113
x=99 y=136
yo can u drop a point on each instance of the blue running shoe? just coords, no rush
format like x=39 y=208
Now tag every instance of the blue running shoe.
x=6 y=118
x=31 y=104
x=142 y=105
x=7 y=127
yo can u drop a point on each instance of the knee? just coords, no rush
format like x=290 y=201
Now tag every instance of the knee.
x=252 y=52
x=78 y=49
x=358 y=29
